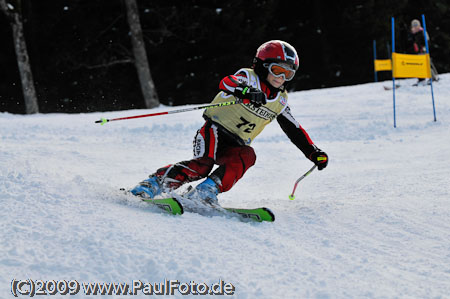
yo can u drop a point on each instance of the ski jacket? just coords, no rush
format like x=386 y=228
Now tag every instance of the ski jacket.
x=417 y=42
x=245 y=121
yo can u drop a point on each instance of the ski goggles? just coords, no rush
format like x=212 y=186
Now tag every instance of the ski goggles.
x=279 y=70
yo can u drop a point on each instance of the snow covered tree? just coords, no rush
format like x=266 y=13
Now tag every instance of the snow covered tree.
x=140 y=55
x=13 y=14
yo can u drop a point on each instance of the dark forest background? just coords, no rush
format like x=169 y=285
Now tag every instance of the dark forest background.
x=81 y=54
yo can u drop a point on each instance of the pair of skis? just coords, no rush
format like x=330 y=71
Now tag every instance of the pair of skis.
x=173 y=206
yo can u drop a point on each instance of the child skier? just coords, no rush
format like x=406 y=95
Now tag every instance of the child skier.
x=416 y=38
x=226 y=136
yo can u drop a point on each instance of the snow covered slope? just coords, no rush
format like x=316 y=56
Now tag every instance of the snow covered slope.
x=375 y=223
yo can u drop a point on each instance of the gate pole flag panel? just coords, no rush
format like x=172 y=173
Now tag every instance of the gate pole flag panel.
x=383 y=65
x=411 y=65
x=380 y=65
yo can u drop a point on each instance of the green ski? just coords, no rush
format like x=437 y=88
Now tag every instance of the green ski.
x=259 y=214
x=170 y=205
x=173 y=206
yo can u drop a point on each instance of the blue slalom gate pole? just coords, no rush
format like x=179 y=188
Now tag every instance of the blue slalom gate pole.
x=393 y=77
x=374 y=59
x=428 y=52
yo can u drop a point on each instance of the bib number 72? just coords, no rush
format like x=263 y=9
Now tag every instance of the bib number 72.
x=248 y=126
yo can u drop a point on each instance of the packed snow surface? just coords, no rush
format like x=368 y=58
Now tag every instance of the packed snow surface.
x=374 y=224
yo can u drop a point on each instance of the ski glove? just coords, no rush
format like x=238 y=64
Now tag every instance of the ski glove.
x=250 y=94
x=319 y=158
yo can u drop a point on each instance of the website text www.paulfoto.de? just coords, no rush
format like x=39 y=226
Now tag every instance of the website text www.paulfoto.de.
x=31 y=288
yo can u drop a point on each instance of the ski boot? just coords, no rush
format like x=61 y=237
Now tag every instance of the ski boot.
x=206 y=192
x=148 y=188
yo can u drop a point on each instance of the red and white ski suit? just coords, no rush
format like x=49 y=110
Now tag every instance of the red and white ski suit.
x=215 y=145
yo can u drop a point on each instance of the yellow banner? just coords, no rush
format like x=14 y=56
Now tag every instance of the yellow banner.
x=411 y=65
x=382 y=65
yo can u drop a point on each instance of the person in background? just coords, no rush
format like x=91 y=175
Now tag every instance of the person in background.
x=416 y=38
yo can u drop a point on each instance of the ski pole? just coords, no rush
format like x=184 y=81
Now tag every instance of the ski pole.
x=105 y=120
x=292 y=196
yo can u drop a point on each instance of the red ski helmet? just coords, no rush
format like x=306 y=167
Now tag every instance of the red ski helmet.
x=276 y=51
